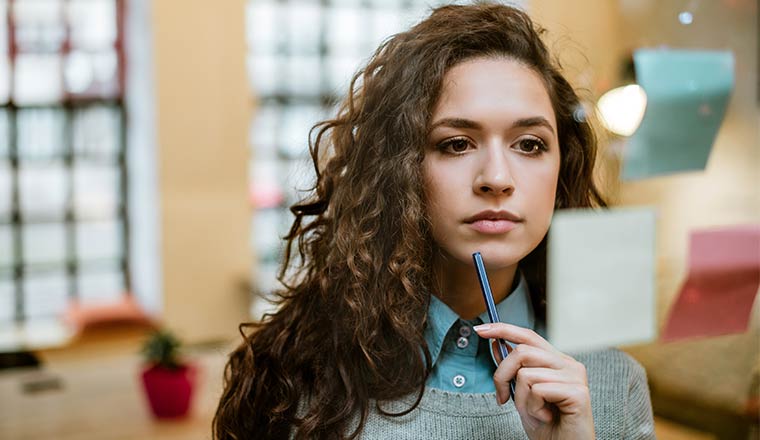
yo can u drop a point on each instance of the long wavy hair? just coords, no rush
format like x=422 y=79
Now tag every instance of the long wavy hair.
x=348 y=330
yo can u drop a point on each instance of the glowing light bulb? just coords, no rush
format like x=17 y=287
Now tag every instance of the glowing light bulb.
x=622 y=109
x=685 y=18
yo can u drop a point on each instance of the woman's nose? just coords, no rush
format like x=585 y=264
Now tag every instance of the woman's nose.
x=493 y=176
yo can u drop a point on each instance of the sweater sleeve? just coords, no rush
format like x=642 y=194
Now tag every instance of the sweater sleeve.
x=639 y=422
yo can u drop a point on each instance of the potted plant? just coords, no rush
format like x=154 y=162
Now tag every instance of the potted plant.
x=167 y=379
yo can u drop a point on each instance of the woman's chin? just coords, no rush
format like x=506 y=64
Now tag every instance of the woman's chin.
x=494 y=258
x=499 y=262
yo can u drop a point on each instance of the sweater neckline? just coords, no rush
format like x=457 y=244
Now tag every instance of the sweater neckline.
x=464 y=404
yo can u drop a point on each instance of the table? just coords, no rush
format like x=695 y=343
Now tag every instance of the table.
x=101 y=398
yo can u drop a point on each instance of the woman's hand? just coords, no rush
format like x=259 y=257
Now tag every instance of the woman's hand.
x=551 y=392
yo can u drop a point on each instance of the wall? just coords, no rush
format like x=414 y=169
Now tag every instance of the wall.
x=203 y=110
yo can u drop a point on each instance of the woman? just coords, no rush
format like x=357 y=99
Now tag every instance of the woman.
x=458 y=136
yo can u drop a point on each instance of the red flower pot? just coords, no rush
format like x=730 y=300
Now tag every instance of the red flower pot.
x=169 y=391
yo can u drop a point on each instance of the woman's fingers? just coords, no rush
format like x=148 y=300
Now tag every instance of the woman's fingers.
x=544 y=392
x=570 y=398
x=532 y=376
x=551 y=387
x=514 y=334
x=530 y=403
x=523 y=356
x=534 y=406
x=530 y=366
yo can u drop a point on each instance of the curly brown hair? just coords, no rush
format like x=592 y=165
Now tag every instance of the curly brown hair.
x=349 y=327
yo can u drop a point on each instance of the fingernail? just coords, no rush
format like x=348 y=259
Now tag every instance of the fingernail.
x=482 y=327
x=500 y=400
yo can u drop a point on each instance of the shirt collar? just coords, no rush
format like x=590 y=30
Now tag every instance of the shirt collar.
x=515 y=309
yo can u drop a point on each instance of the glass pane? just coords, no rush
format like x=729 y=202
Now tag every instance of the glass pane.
x=261 y=25
x=268 y=227
x=303 y=28
x=96 y=189
x=266 y=279
x=99 y=240
x=263 y=73
x=103 y=285
x=44 y=243
x=303 y=75
x=340 y=69
x=6 y=246
x=4 y=134
x=42 y=190
x=263 y=134
x=298 y=178
x=5 y=191
x=45 y=294
x=106 y=70
x=370 y=3
x=38 y=79
x=344 y=35
x=39 y=25
x=92 y=74
x=346 y=2
x=7 y=299
x=93 y=23
x=5 y=79
x=265 y=188
x=385 y=22
x=79 y=73
x=97 y=133
x=296 y=123
x=3 y=26
x=41 y=134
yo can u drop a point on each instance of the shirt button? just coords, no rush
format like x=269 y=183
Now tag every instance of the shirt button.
x=465 y=331
x=458 y=381
x=463 y=342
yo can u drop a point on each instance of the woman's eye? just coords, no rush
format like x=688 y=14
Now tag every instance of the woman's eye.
x=531 y=146
x=456 y=145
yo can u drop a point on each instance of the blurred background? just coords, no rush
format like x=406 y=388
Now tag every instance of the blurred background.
x=149 y=152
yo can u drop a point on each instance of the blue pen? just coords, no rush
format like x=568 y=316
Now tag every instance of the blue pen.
x=492 y=314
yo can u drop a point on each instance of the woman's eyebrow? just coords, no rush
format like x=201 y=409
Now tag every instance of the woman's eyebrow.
x=534 y=121
x=455 y=123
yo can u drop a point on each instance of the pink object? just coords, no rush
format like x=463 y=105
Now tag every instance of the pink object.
x=265 y=195
x=724 y=277
x=169 y=392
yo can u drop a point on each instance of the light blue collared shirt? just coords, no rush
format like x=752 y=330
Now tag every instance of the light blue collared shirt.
x=462 y=361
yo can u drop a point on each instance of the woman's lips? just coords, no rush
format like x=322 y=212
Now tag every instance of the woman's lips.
x=493 y=226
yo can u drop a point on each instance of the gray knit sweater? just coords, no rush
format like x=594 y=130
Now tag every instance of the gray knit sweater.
x=619 y=400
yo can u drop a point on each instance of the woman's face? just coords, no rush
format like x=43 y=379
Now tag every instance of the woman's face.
x=492 y=162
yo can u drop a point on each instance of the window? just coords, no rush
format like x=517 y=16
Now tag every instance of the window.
x=63 y=204
x=301 y=56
